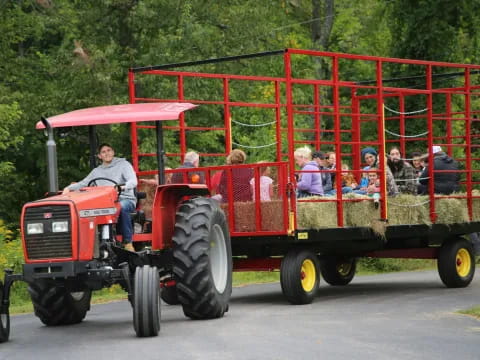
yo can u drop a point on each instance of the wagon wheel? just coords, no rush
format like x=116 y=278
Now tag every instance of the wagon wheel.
x=299 y=276
x=456 y=263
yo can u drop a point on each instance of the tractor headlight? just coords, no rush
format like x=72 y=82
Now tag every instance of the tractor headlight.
x=59 y=226
x=34 y=228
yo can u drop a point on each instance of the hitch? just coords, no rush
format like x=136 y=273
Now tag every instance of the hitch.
x=10 y=277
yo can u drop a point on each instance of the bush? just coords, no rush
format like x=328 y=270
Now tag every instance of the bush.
x=11 y=257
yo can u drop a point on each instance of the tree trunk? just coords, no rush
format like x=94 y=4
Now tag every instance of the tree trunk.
x=323 y=12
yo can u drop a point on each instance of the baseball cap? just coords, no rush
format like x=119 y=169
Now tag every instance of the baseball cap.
x=318 y=154
x=436 y=149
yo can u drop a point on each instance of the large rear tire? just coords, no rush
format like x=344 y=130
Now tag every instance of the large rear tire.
x=56 y=305
x=299 y=276
x=456 y=263
x=146 y=301
x=202 y=259
x=4 y=319
x=337 y=270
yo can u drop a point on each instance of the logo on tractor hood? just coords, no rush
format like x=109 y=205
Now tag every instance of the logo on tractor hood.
x=98 y=212
x=47 y=215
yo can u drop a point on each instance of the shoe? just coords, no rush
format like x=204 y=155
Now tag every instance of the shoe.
x=129 y=247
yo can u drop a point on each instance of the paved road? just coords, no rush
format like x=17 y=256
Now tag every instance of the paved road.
x=391 y=316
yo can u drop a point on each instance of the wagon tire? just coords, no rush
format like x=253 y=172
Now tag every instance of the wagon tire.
x=338 y=271
x=299 y=276
x=456 y=263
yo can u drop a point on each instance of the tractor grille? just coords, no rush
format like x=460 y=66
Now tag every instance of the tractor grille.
x=48 y=245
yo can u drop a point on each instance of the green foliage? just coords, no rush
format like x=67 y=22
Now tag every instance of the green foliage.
x=379 y=265
x=11 y=257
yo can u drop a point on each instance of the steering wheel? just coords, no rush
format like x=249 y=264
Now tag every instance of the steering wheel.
x=93 y=182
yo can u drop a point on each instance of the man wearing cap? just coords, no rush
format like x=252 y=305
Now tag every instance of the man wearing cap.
x=319 y=158
x=443 y=183
x=192 y=160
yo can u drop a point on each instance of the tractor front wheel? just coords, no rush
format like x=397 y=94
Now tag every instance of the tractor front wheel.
x=55 y=305
x=146 y=301
x=299 y=276
x=4 y=319
x=456 y=263
x=202 y=259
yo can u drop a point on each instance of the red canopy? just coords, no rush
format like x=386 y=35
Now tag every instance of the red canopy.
x=103 y=115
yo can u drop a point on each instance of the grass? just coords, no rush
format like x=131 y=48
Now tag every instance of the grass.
x=475 y=312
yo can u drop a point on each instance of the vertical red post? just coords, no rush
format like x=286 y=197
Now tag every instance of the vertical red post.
x=227 y=117
x=290 y=134
x=278 y=118
x=356 y=161
x=431 y=191
x=468 y=150
x=381 y=140
x=338 y=139
x=401 y=103
x=133 y=126
x=448 y=109
x=316 y=103
x=182 y=134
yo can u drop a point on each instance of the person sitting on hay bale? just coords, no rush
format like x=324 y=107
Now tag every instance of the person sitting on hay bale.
x=402 y=171
x=348 y=180
x=310 y=183
x=443 y=183
x=319 y=157
x=373 y=188
x=266 y=183
x=417 y=163
x=370 y=156
x=240 y=177
x=192 y=160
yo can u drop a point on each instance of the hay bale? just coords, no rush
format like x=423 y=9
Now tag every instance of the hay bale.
x=270 y=211
x=408 y=209
x=451 y=211
x=360 y=213
x=316 y=215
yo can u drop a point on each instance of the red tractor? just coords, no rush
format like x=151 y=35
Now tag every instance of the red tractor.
x=71 y=248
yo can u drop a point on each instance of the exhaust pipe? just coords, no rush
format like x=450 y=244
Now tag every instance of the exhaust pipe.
x=51 y=158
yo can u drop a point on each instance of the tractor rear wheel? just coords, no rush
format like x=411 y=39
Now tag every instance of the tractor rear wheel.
x=338 y=271
x=4 y=319
x=170 y=296
x=55 y=305
x=202 y=259
x=299 y=276
x=456 y=263
x=146 y=301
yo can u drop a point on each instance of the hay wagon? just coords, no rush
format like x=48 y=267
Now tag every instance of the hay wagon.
x=330 y=102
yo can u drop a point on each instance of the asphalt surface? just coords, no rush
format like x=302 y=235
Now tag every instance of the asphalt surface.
x=391 y=316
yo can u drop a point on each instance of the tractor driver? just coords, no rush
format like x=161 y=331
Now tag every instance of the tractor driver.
x=119 y=171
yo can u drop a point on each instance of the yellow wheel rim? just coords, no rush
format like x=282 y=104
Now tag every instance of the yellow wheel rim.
x=463 y=262
x=344 y=268
x=308 y=275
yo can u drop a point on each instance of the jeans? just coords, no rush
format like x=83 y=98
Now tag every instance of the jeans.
x=125 y=221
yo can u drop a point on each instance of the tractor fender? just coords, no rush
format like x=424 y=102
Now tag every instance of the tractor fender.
x=164 y=208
